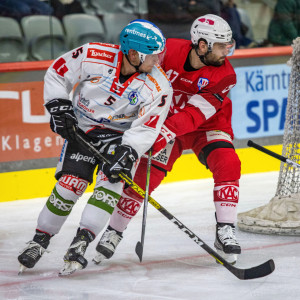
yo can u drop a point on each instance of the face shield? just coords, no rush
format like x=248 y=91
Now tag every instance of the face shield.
x=152 y=58
x=227 y=47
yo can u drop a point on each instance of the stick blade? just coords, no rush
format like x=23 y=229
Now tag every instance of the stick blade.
x=139 y=250
x=259 y=271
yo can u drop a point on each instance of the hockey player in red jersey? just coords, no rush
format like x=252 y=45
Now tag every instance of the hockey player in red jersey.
x=199 y=119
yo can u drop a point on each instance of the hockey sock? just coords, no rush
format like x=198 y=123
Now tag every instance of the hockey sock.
x=226 y=197
x=60 y=203
x=126 y=209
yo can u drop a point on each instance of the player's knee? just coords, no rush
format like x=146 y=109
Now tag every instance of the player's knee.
x=224 y=164
x=71 y=187
x=130 y=193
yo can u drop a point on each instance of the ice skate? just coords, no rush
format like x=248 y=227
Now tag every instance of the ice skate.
x=107 y=245
x=34 y=251
x=74 y=258
x=225 y=243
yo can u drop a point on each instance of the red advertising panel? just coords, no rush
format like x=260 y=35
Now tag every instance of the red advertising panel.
x=24 y=123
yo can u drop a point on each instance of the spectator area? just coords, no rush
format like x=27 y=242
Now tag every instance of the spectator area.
x=41 y=36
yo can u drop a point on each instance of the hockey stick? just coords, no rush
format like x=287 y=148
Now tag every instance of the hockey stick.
x=271 y=153
x=140 y=244
x=251 y=273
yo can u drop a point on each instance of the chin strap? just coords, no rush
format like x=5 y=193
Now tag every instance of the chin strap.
x=202 y=57
x=136 y=67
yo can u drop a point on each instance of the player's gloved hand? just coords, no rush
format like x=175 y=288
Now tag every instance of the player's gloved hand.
x=62 y=119
x=165 y=136
x=122 y=161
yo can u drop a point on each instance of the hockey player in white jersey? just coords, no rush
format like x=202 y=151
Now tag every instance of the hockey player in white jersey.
x=121 y=101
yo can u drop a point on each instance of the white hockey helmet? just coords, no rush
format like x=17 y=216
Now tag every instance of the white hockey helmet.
x=211 y=28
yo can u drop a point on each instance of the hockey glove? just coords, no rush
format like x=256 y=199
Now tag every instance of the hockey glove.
x=122 y=161
x=62 y=118
x=165 y=136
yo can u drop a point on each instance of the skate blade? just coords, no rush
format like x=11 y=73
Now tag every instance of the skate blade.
x=230 y=258
x=99 y=258
x=70 y=268
x=22 y=269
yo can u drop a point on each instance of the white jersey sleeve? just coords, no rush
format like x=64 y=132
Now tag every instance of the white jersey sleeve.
x=152 y=112
x=63 y=74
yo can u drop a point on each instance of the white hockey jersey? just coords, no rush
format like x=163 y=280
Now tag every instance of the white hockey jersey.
x=138 y=107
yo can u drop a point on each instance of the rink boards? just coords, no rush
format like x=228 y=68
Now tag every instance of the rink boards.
x=39 y=183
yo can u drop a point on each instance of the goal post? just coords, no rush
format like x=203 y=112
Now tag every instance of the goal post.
x=282 y=214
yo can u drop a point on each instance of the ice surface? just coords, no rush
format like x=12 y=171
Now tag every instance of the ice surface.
x=173 y=267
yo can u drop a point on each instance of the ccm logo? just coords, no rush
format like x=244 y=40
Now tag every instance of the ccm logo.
x=101 y=54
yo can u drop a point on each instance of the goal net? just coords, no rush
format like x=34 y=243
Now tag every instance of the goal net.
x=282 y=214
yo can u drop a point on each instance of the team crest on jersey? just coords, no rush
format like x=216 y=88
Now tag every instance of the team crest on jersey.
x=133 y=98
x=202 y=82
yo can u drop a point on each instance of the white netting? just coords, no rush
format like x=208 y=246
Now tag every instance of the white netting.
x=282 y=214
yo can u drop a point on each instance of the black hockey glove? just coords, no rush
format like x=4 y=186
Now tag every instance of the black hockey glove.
x=62 y=118
x=122 y=161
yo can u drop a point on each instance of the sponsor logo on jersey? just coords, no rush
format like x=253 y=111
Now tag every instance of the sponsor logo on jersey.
x=207 y=21
x=164 y=155
x=129 y=206
x=202 y=82
x=133 y=98
x=163 y=72
x=228 y=88
x=186 y=80
x=101 y=54
x=121 y=117
x=83 y=103
x=78 y=157
x=73 y=183
x=155 y=82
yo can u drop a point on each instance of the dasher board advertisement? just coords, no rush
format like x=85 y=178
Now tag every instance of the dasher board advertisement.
x=259 y=101
x=24 y=123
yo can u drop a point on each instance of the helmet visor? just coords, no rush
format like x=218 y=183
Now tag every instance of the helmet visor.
x=157 y=58
x=230 y=47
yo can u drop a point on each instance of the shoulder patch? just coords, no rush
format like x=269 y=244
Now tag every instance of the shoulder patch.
x=202 y=82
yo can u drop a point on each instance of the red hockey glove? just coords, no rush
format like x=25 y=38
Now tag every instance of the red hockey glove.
x=165 y=136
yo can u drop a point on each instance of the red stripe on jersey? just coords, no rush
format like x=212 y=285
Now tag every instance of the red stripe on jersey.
x=106 y=45
x=152 y=122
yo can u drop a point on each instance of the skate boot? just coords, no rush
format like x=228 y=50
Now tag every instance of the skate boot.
x=34 y=251
x=225 y=243
x=107 y=245
x=74 y=258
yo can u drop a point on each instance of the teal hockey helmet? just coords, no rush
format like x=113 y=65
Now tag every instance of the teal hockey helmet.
x=142 y=36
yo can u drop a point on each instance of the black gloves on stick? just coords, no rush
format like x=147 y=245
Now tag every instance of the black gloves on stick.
x=122 y=161
x=62 y=118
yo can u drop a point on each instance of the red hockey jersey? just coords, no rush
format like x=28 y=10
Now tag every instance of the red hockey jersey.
x=199 y=98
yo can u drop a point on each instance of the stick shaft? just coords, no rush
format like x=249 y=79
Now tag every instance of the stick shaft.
x=255 y=272
x=273 y=154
